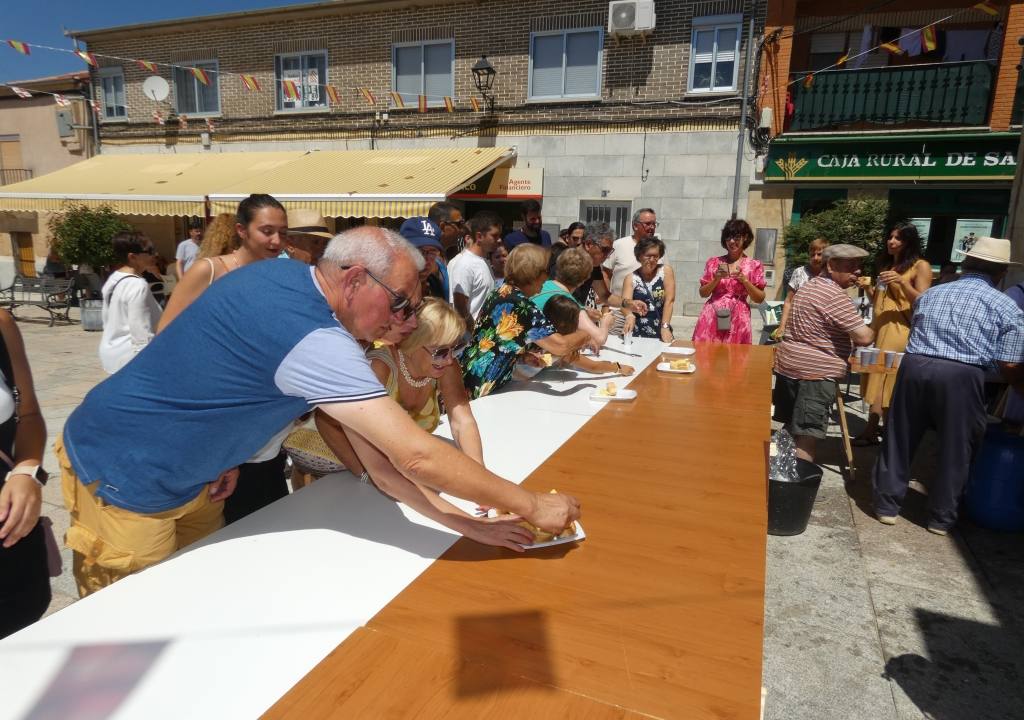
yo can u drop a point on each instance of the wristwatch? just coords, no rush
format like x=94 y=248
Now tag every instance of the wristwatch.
x=35 y=472
x=666 y=326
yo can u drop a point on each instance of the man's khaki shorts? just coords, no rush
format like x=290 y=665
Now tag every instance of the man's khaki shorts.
x=110 y=543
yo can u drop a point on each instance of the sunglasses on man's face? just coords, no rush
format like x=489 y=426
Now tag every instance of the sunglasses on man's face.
x=400 y=304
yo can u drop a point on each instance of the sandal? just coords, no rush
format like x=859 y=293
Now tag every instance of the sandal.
x=866 y=441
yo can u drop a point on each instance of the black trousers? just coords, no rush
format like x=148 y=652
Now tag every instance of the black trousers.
x=931 y=393
x=24 y=582
x=259 y=484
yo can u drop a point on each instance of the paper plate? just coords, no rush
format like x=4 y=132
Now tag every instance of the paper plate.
x=623 y=395
x=666 y=368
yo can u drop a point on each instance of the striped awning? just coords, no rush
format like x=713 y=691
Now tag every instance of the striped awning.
x=368 y=183
x=358 y=183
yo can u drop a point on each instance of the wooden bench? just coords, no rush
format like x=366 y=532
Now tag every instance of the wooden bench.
x=50 y=294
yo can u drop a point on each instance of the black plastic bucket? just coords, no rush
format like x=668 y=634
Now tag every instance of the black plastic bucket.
x=790 y=502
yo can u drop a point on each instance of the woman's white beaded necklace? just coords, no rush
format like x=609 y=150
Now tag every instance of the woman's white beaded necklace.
x=409 y=378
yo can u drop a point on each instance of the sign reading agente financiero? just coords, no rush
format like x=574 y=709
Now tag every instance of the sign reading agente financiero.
x=894 y=160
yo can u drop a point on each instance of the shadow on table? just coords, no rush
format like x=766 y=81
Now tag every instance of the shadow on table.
x=95 y=680
x=540 y=388
x=484 y=641
x=973 y=672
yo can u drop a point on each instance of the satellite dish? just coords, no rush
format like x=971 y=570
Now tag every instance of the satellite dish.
x=155 y=88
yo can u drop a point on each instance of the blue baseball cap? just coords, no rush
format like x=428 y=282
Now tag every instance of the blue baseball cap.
x=422 y=232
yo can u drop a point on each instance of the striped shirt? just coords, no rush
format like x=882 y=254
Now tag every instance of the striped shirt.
x=817 y=340
x=968 y=321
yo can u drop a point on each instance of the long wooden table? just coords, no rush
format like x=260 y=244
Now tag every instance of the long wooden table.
x=658 y=613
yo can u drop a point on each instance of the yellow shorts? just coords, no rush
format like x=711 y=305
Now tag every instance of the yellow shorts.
x=110 y=543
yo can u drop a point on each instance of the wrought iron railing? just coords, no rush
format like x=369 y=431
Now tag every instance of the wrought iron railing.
x=8 y=176
x=913 y=95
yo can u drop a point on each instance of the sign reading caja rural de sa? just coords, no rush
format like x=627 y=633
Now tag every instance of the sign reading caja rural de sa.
x=894 y=160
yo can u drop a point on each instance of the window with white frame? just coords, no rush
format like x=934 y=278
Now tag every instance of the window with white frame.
x=426 y=68
x=191 y=95
x=714 y=51
x=566 y=64
x=306 y=74
x=112 y=90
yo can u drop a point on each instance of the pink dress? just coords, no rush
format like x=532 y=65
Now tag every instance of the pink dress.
x=728 y=293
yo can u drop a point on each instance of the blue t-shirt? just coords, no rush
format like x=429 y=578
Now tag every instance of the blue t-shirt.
x=256 y=350
x=518 y=237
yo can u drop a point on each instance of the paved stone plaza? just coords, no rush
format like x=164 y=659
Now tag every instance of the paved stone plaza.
x=861 y=620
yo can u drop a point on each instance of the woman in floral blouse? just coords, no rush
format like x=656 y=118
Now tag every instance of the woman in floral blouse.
x=654 y=286
x=511 y=325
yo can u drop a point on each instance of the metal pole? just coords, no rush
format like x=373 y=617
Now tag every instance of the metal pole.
x=740 y=136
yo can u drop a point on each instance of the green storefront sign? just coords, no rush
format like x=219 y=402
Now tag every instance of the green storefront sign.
x=988 y=156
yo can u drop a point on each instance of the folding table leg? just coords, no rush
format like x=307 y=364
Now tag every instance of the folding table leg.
x=847 y=448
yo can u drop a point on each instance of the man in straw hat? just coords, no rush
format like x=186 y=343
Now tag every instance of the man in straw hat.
x=958 y=330
x=823 y=327
x=307 y=235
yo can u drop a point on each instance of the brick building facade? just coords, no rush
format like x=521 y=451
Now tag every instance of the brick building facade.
x=634 y=121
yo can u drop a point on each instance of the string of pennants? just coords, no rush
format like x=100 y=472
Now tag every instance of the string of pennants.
x=929 y=42
x=291 y=90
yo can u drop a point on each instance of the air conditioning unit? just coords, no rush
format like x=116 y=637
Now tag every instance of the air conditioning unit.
x=630 y=17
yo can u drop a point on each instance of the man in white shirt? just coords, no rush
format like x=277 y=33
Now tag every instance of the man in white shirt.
x=188 y=249
x=469 y=273
x=622 y=262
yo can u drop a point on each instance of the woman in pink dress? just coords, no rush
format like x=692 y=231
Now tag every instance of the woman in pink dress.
x=728 y=281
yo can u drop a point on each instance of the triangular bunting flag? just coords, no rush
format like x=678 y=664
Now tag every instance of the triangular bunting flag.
x=290 y=90
x=842 y=61
x=20 y=46
x=158 y=117
x=147 y=66
x=95 y=106
x=987 y=7
x=209 y=124
x=396 y=99
x=475 y=103
x=200 y=75
x=250 y=82
x=61 y=100
x=89 y=58
x=332 y=94
x=183 y=122
x=368 y=96
x=21 y=92
x=422 y=102
x=808 y=81
x=449 y=104
x=891 y=47
x=929 y=43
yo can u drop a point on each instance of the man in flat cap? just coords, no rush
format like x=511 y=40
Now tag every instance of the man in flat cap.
x=958 y=330
x=823 y=327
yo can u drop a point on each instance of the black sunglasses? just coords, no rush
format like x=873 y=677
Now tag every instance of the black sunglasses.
x=401 y=305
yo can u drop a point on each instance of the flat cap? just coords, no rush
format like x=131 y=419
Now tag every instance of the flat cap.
x=844 y=251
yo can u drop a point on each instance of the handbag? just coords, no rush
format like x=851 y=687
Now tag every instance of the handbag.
x=310 y=454
x=723 y=314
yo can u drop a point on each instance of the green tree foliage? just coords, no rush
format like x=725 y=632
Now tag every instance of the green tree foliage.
x=859 y=222
x=82 y=234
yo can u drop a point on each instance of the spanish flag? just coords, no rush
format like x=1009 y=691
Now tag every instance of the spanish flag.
x=250 y=82
x=842 y=61
x=61 y=100
x=396 y=99
x=200 y=75
x=332 y=94
x=987 y=7
x=891 y=47
x=158 y=118
x=147 y=66
x=808 y=81
x=449 y=104
x=20 y=92
x=95 y=106
x=183 y=122
x=20 y=46
x=475 y=103
x=209 y=124
x=422 y=101
x=290 y=90
x=89 y=58
x=367 y=96
x=928 y=40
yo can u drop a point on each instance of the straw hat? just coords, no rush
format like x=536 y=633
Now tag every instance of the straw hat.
x=307 y=222
x=993 y=250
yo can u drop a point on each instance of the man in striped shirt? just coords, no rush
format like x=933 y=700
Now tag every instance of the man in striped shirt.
x=823 y=327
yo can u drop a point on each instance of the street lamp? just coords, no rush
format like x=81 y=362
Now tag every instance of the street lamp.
x=483 y=78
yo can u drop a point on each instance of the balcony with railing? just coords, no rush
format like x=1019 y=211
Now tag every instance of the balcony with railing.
x=956 y=94
x=9 y=176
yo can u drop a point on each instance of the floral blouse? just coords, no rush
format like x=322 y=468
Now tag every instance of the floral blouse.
x=509 y=321
x=653 y=295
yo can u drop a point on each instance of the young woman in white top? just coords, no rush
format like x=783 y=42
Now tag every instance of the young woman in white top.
x=130 y=312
